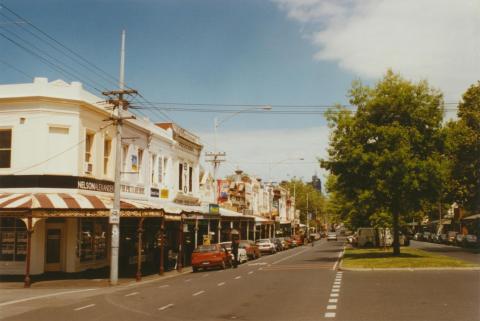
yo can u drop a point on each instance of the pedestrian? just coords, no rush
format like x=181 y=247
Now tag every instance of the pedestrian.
x=235 y=245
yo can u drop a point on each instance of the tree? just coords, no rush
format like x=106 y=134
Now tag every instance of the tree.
x=316 y=201
x=386 y=156
x=463 y=151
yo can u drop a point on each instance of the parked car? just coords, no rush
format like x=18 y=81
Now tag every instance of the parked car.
x=470 y=240
x=290 y=243
x=242 y=253
x=278 y=244
x=332 y=236
x=253 y=252
x=266 y=246
x=298 y=240
x=316 y=236
x=427 y=236
x=207 y=256
x=285 y=245
x=418 y=236
x=451 y=237
x=459 y=239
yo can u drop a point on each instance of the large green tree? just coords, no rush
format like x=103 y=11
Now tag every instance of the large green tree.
x=386 y=156
x=463 y=151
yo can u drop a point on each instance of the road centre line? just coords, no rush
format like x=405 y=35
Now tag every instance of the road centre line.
x=221 y=283
x=163 y=286
x=85 y=307
x=290 y=256
x=166 y=307
x=187 y=280
x=238 y=277
x=198 y=293
x=131 y=294
x=251 y=272
x=43 y=296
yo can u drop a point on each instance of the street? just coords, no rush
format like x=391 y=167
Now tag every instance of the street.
x=299 y=284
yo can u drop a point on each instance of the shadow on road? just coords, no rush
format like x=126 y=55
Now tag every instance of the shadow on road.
x=329 y=251
x=323 y=259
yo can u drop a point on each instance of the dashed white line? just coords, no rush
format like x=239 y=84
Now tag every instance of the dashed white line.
x=198 y=293
x=330 y=315
x=335 y=290
x=43 y=297
x=187 y=280
x=166 y=307
x=290 y=256
x=163 y=286
x=221 y=283
x=84 y=307
x=339 y=258
x=331 y=307
x=132 y=294
x=334 y=295
x=238 y=277
x=336 y=287
x=251 y=272
x=332 y=300
x=337 y=283
x=205 y=275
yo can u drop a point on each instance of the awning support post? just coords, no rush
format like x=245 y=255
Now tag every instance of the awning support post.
x=138 y=276
x=219 y=230
x=180 y=247
x=196 y=232
x=27 y=280
x=162 y=246
x=248 y=230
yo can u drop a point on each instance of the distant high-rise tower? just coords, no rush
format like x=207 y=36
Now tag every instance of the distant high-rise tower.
x=316 y=183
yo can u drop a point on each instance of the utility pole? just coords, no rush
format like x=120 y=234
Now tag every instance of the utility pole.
x=116 y=98
x=216 y=158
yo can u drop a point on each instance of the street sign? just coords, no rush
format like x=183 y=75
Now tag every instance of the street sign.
x=214 y=209
x=114 y=217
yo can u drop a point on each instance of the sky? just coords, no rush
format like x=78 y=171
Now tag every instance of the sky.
x=251 y=52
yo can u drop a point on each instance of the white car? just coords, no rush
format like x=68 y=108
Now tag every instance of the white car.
x=332 y=236
x=265 y=245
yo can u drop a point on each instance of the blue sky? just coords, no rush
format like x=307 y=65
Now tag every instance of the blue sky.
x=278 y=52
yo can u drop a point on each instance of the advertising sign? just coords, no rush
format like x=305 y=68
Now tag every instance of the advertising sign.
x=214 y=209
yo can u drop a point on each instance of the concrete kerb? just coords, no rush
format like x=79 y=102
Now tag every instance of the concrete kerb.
x=341 y=268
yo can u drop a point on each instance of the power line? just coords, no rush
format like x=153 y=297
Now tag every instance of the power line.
x=16 y=69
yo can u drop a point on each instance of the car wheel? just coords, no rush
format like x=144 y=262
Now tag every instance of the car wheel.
x=224 y=266
x=194 y=269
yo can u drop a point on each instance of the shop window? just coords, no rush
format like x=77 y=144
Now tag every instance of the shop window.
x=107 y=151
x=152 y=167
x=140 y=159
x=5 y=148
x=13 y=239
x=92 y=239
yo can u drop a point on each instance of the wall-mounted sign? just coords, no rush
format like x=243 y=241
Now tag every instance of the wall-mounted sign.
x=114 y=217
x=94 y=185
x=214 y=209
x=154 y=192
x=133 y=189
x=164 y=193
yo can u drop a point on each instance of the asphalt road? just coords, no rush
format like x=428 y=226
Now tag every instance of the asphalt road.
x=299 y=284
x=466 y=254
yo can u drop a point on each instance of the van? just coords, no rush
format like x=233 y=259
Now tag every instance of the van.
x=372 y=237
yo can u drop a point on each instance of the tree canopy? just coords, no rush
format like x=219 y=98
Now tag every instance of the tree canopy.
x=386 y=156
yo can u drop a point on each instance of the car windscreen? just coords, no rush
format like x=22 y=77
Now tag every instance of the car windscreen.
x=205 y=248
x=263 y=241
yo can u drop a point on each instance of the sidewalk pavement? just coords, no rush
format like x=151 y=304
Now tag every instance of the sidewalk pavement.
x=13 y=291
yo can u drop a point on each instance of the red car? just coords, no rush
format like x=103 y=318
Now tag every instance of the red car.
x=253 y=252
x=206 y=256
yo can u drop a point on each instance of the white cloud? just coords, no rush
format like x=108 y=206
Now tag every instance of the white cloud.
x=437 y=40
x=252 y=150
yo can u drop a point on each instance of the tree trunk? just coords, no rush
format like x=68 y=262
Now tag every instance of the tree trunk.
x=396 y=235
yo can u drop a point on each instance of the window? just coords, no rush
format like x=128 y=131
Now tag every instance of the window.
x=124 y=156
x=107 y=150
x=5 y=148
x=140 y=159
x=152 y=167
x=88 y=153
x=160 y=169
x=13 y=239
x=92 y=239
x=180 y=176
x=190 y=179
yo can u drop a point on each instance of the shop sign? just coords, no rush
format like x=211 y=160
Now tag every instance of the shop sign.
x=154 y=192
x=133 y=189
x=93 y=185
x=164 y=193
x=214 y=209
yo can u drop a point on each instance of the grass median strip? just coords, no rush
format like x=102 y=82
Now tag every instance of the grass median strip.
x=408 y=258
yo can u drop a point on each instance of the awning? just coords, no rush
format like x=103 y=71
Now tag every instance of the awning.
x=67 y=201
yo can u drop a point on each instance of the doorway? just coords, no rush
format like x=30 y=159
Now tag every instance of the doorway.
x=54 y=247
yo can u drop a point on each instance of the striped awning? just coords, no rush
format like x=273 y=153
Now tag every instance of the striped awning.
x=65 y=201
